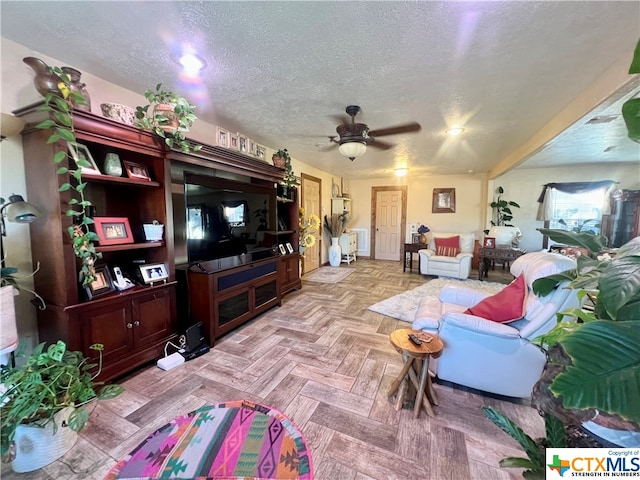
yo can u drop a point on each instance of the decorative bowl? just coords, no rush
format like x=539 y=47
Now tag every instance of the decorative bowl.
x=119 y=113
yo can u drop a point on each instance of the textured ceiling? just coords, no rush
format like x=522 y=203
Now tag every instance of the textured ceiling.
x=280 y=72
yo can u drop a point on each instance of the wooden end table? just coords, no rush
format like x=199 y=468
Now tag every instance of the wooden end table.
x=415 y=368
x=412 y=248
x=488 y=255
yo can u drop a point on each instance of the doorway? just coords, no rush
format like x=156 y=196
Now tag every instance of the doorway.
x=311 y=201
x=388 y=221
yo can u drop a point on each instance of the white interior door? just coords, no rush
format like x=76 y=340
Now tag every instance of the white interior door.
x=311 y=202
x=388 y=224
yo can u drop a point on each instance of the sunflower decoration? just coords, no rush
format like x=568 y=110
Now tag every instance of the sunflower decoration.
x=308 y=229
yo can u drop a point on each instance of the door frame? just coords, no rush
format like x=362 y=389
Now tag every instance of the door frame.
x=403 y=214
x=305 y=176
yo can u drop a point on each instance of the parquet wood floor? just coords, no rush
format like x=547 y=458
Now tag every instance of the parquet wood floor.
x=326 y=361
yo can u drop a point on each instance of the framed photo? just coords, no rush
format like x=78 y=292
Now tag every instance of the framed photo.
x=102 y=285
x=81 y=155
x=289 y=248
x=243 y=145
x=444 y=200
x=113 y=230
x=282 y=250
x=489 y=242
x=154 y=273
x=261 y=152
x=136 y=170
x=233 y=141
x=222 y=137
x=252 y=147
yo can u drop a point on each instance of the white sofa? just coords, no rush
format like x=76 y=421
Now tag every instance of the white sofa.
x=456 y=267
x=489 y=356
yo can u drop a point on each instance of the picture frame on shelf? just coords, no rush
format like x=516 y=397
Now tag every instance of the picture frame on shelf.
x=282 y=225
x=80 y=152
x=102 y=285
x=155 y=272
x=444 y=200
x=113 y=230
x=282 y=249
x=251 y=146
x=243 y=146
x=489 y=242
x=261 y=152
x=136 y=171
x=233 y=141
x=222 y=137
x=289 y=247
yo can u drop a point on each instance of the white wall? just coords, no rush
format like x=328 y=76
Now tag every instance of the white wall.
x=523 y=186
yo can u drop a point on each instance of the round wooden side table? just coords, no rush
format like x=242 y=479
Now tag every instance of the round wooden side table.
x=415 y=368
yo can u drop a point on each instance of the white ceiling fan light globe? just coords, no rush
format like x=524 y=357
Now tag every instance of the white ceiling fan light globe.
x=352 y=150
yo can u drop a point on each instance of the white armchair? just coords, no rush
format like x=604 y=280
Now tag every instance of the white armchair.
x=458 y=266
x=489 y=356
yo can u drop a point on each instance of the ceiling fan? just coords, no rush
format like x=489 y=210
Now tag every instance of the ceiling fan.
x=354 y=137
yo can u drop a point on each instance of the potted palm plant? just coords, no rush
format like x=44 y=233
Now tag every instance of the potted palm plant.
x=42 y=410
x=168 y=115
x=280 y=158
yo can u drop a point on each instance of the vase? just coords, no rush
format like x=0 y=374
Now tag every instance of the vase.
x=9 y=332
x=423 y=238
x=112 y=165
x=335 y=252
x=37 y=446
x=44 y=81
x=75 y=85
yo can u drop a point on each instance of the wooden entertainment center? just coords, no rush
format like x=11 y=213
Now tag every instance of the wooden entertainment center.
x=134 y=325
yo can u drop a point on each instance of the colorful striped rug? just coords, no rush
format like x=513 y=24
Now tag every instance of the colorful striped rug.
x=229 y=441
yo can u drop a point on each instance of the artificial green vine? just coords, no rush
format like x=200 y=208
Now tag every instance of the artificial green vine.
x=59 y=107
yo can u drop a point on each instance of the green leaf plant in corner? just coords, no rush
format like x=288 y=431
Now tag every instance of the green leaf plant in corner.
x=168 y=115
x=631 y=108
x=59 y=107
x=502 y=214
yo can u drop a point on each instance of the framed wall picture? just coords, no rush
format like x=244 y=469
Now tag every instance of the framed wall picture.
x=489 y=242
x=243 y=146
x=261 y=152
x=113 y=230
x=282 y=249
x=102 y=285
x=82 y=156
x=289 y=248
x=233 y=141
x=136 y=170
x=222 y=137
x=444 y=200
x=154 y=272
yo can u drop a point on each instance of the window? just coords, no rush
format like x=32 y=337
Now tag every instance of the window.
x=577 y=212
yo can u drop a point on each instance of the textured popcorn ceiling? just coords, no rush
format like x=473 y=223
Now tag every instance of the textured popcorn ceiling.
x=280 y=72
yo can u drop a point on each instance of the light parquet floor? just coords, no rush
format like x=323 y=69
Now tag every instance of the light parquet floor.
x=325 y=361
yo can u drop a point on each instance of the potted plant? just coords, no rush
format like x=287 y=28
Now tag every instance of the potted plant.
x=168 y=115
x=335 y=225
x=631 y=108
x=47 y=391
x=58 y=104
x=280 y=158
x=502 y=230
x=289 y=180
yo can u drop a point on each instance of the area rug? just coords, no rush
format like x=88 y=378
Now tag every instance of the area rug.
x=230 y=441
x=328 y=274
x=404 y=305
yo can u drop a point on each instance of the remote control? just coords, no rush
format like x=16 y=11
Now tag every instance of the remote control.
x=415 y=339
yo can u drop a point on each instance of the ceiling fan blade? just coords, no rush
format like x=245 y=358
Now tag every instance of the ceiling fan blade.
x=380 y=145
x=407 y=127
x=332 y=146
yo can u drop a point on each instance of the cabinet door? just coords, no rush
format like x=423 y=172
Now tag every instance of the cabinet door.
x=109 y=324
x=152 y=317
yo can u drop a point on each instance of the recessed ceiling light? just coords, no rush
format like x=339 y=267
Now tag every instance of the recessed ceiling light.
x=192 y=63
x=401 y=171
x=470 y=171
x=319 y=145
x=454 y=131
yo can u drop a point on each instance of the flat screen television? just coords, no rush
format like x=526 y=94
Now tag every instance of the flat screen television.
x=227 y=217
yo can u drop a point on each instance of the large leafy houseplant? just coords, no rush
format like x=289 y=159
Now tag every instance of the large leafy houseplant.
x=59 y=106
x=168 y=115
x=47 y=382
x=631 y=108
x=502 y=210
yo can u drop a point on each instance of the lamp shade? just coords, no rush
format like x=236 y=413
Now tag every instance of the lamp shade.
x=10 y=125
x=352 y=150
x=20 y=211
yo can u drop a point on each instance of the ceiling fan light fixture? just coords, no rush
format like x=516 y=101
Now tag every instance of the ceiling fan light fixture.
x=352 y=150
x=454 y=131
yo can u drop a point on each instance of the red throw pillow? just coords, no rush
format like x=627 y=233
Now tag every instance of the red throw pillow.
x=505 y=306
x=447 y=247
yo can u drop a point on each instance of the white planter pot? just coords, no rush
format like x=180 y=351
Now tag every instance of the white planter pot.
x=335 y=252
x=153 y=232
x=8 y=329
x=37 y=446
x=505 y=236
